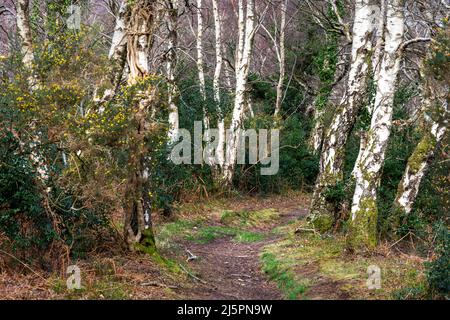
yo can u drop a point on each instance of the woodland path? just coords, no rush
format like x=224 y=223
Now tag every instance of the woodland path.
x=229 y=270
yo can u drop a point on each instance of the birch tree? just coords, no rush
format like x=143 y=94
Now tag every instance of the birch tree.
x=200 y=63
x=171 y=57
x=435 y=126
x=281 y=58
x=364 y=212
x=118 y=49
x=137 y=209
x=247 y=30
x=217 y=73
x=335 y=139
x=24 y=31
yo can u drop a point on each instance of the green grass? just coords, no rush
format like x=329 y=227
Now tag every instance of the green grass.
x=248 y=237
x=249 y=218
x=107 y=287
x=285 y=279
x=210 y=233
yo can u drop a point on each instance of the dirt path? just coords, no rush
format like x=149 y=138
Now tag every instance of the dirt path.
x=232 y=270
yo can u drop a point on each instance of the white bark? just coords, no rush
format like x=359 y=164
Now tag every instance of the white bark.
x=332 y=157
x=368 y=168
x=281 y=58
x=245 y=49
x=435 y=105
x=118 y=49
x=24 y=30
x=119 y=40
x=172 y=25
x=200 y=63
x=217 y=73
x=417 y=167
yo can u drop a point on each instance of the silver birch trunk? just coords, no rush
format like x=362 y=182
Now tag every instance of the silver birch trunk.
x=217 y=73
x=24 y=31
x=118 y=49
x=242 y=71
x=435 y=104
x=363 y=222
x=200 y=63
x=335 y=138
x=172 y=25
x=282 y=58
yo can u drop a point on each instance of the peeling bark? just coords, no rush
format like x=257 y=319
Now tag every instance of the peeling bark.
x=363 y=222
x=118 y=51
x=281 y=58
x=435 y=104
x=217 y=73
x=335 y=139
x=245 y=49
x=171 y=56
x=200 y=63
x=24 y=30
x=137 y=208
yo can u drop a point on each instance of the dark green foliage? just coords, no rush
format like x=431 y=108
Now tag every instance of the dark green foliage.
x=336 y=195
x=298 y=167
x=438 y=271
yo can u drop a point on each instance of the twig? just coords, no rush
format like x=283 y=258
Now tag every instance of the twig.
x=306 y=230
x=191 y=275
x=157 y=284
x=23 y=263
x=191 y=256
x=396 y=242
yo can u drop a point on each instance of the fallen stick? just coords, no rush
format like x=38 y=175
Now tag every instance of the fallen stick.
x=157 y=284
x=192 y=275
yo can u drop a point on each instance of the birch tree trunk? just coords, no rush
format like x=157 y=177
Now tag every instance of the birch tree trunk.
x=118 y=50
x=200 y=63
x=377 y=57
x=217 y=73
x=335 y=139
x=435 y=104
x=363 y=222
x=245 y=49
x=417 y=167
x=172 y=25
x=137 y=209
x=282 y=58
x=24 y=31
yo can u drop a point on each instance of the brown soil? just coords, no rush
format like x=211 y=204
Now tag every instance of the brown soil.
x=230 y=270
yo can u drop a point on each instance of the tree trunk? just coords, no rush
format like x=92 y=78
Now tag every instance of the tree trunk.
x=282 y=59
x=118 y=50
x=200 y=63
x=363 y=222
x=335 y=139
x=137 y=208
x=435 y=105
x=24 y=30
x=217 y=73
x=245 y=49
x=172 y=25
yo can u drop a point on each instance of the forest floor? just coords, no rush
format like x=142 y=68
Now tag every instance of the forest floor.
x=239 y=248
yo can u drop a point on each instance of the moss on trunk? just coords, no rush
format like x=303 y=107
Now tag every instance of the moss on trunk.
x=363 y=229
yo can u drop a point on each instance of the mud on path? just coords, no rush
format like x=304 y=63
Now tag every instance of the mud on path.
x=231 y=270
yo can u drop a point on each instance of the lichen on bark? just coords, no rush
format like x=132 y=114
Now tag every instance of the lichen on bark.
x=363 y=228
